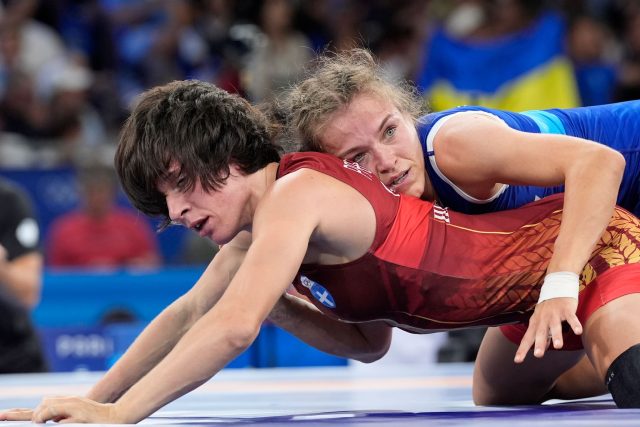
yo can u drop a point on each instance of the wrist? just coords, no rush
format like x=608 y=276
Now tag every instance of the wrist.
x=117 y=415
x=560 y=284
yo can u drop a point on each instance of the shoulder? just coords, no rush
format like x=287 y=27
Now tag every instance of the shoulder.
x=306 y=184
x=308 y=160
x=309 y=167
x=303 y=183
x=464 y=133
x=462 y=122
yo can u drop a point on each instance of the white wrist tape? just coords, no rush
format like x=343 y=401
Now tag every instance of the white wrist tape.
x=560 y=284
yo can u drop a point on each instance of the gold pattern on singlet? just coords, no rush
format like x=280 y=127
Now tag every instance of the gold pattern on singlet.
x=514 y=276
x=587 y=276
x=619 y=245
x=534 y=244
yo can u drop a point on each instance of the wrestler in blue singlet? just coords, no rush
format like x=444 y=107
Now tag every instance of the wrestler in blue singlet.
x=614 y=125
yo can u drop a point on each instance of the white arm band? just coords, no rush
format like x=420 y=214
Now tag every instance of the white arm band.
x=561 y=284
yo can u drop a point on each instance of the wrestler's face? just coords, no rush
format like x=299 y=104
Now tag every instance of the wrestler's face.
x=217 y=214
x=372 y=132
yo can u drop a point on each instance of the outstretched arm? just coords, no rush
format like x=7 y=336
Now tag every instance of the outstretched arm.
x=162 y=334
x=225 y=330
x=480 y=154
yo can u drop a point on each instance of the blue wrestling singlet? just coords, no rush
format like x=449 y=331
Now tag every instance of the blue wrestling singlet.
x=614 y=125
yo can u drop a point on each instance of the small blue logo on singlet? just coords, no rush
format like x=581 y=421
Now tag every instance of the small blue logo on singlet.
x=318 y=291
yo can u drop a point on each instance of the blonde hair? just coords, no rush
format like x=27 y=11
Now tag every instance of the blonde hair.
x=332 y=84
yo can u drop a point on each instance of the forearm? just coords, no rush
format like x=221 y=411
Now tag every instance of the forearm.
x=153 y=344
x=363 y=342
x=162 y=334
x=591 y=189
x=217 y=336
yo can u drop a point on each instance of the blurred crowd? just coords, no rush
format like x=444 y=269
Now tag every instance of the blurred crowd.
x=70 y=69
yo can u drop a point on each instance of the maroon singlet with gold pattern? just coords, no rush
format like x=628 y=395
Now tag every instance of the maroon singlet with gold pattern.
x=433 y=269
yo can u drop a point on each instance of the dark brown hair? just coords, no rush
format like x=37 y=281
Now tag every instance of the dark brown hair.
x=197 y=126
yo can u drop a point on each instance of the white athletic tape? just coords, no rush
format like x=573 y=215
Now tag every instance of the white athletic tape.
x=560 y=284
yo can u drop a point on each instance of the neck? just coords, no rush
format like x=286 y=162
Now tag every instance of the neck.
x=267 y=176
x=260 y=182
x=428 y=194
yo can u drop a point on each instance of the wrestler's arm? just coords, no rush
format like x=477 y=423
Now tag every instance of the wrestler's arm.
x=230 y=326
x=162 y=334
x=478 y=153
x=365 y=342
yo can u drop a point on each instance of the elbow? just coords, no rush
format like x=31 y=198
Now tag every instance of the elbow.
x=614 y=161
x=239 y=338
x=370 y=357
x=373 y=352
x=618 y=163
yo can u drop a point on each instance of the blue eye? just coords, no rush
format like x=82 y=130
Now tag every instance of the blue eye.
x=390 y=131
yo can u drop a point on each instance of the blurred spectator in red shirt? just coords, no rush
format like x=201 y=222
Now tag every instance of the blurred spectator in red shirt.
x=100 y=234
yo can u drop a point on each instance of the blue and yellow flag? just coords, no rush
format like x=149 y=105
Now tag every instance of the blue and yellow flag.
x=523 y=71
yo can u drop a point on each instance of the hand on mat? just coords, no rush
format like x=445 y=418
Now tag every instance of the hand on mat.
x=75 y=410
x=16 y=414
x=545 y=326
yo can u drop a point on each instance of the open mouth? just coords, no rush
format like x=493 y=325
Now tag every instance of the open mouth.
x=399 y=180
x=197 y=226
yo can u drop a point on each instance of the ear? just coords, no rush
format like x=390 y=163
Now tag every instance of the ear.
x=235 y=170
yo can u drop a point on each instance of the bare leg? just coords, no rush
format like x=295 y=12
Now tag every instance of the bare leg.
x=611 y=330
x=497 y=380
x=582 y=380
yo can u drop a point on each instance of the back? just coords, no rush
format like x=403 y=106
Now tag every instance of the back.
x=433 y=269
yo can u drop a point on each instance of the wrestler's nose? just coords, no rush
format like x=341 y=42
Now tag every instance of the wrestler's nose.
x=385 y=160
x=177 y=207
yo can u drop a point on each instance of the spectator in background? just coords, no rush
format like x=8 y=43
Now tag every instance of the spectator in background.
x=37 y=43
x=135 y=25
x=22 y=112
x=20 y=281
x=314 y=18
x=587 y=44
x=281 y=58
x=228 y=42
x=629 y=78
x=99 y=234
x=177 y=49
x=74 y=124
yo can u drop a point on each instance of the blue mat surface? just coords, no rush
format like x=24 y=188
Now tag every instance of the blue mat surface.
x=433 y=395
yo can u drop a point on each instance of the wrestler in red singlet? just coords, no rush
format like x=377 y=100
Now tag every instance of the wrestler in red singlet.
x=431 y=269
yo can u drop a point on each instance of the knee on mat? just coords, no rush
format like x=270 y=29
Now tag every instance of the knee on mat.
x=623 y=378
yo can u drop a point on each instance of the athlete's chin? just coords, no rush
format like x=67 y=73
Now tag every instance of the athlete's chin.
x=410 y=189
x=220 y=238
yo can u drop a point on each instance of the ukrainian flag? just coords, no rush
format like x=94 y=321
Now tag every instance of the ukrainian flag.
x=524 y=71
